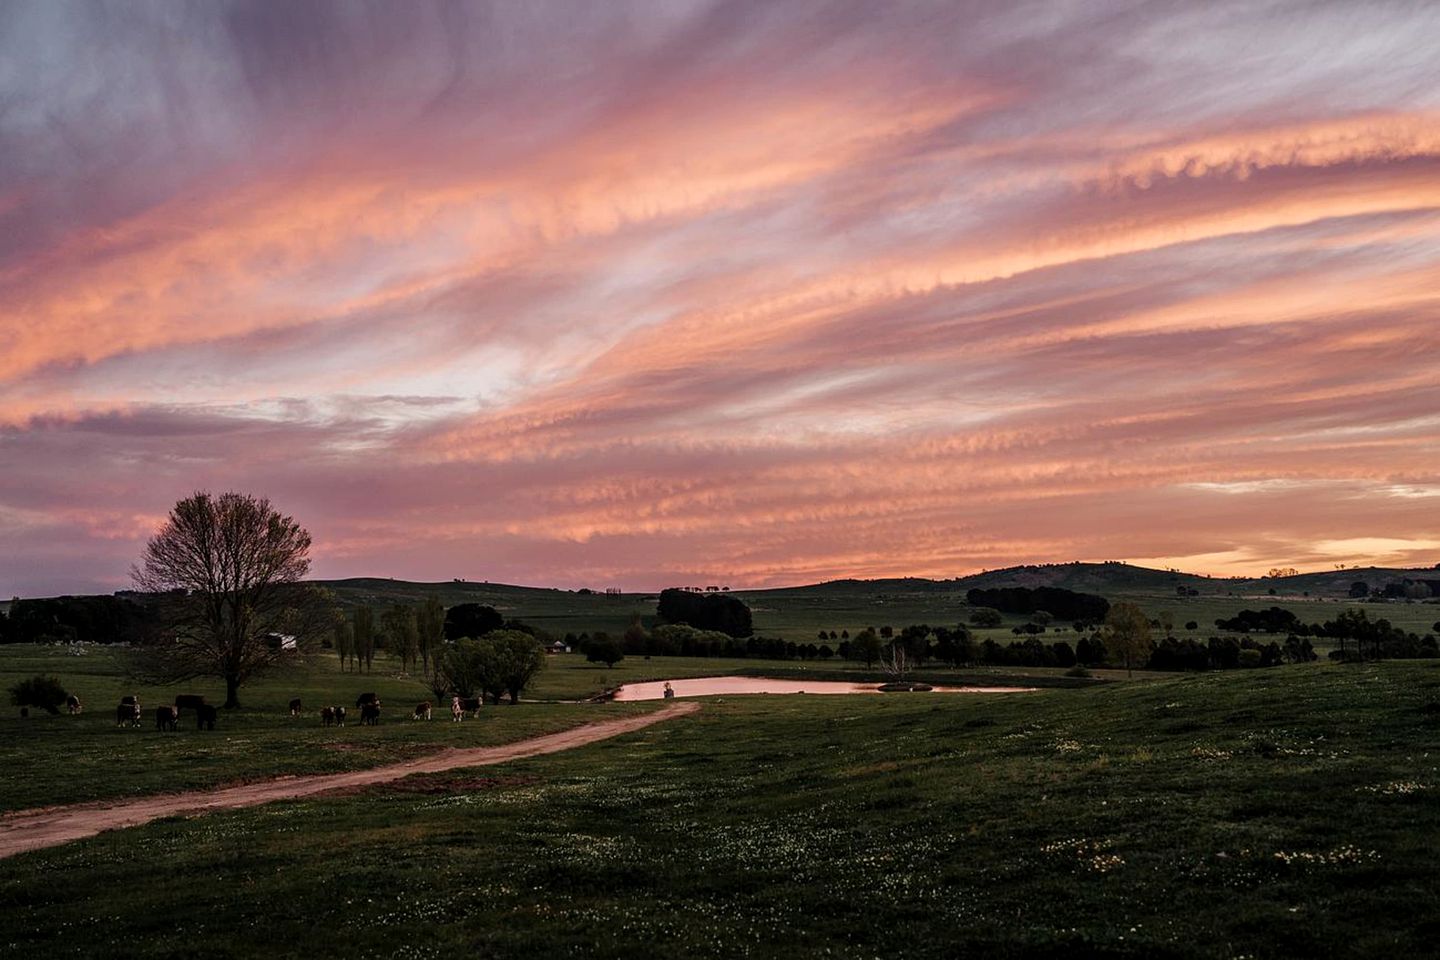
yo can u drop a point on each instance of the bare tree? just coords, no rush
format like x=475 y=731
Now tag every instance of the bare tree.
x=430 y=624
x=897 y=661
x=404 y=637
x=344 y=641
x=228 y=569
x=364 y=636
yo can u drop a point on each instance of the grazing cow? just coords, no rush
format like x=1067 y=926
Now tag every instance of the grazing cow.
x=471 y=705
x=295 y=707
x=365 y=698
x=339 y=716
x=422 y=710
x=73 y=704
x=327 y=716
x=127 y=714
x=167 y=718
x=189 y=701
x=205 y=716
x=370 y=714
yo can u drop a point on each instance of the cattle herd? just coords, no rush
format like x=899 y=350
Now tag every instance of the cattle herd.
x=167 y=717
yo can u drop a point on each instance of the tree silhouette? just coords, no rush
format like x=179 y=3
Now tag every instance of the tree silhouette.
x=228 y=572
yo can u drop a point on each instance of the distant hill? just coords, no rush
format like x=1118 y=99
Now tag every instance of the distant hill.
x=1105 y=579
x=381 y=591
x=1100 y=578
x=1112 y=578
x=1336 y=583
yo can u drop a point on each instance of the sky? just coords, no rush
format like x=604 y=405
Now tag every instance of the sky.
x=709 y=292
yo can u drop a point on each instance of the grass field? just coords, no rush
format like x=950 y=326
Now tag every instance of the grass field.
x=260 y=740
x=67 y=759
x=1280 y=813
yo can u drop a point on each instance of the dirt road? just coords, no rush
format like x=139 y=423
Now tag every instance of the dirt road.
x=26 y=830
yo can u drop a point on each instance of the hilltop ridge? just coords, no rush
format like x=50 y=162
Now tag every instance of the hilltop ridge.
x=1086 y=577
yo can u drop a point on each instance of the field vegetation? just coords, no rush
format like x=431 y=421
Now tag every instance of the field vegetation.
x=1271 y=812
x=1285 y=812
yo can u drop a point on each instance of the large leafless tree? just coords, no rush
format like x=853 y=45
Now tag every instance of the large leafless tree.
x=228 y=571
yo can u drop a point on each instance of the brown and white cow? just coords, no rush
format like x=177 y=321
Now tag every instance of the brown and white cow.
x=73 y=704
x=127 y=714
x=422 y=710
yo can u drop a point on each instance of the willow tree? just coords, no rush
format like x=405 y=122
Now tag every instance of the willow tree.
x=227 y=572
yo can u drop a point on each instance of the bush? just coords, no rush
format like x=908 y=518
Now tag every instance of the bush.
x=1077 y=671
x=47 y=693
x=603 y=649
x=986 y=617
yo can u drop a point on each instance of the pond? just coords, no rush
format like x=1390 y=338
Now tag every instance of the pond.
x=721 y=686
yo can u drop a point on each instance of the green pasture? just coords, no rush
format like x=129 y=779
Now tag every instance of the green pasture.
x=101 y=761
x=798 y=614
x=1280 y=813
x=66 y=759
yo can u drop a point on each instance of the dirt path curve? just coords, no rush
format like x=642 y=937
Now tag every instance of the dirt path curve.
x=35 y=829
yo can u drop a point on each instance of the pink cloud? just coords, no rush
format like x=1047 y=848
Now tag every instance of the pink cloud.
x=585 y=294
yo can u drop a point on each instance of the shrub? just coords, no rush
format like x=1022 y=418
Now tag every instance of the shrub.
x=606 y=650
x=47 y=693
x=1077 y=671
x=986 y=617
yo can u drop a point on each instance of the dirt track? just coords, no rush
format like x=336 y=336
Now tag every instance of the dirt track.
x=26 y=830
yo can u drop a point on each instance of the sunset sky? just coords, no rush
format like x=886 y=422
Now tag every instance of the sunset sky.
x=753 y=293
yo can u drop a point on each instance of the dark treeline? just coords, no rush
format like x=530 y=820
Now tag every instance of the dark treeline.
x=91 y=619
x=1359 y=637
x=683 y=640
x=1274 y=620
x=953 y=646
x=1060 y=603
x=706 y=611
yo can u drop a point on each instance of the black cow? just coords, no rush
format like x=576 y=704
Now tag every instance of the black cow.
x=365 y=698
x=339 y=716
x=189 y=701
x=370 y=714
x=327 y=716
x=205 y=716
x=295 y=707
x=167 y=718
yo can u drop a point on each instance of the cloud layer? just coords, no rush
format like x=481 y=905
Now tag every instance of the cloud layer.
x=641 y=294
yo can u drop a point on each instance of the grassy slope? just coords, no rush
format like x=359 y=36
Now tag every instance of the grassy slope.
x=1277 y=813
x=798 y=613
